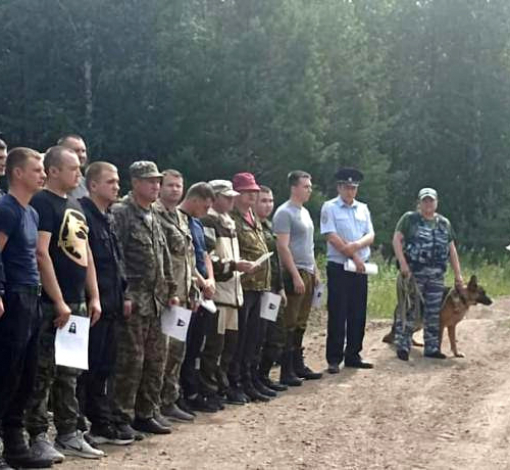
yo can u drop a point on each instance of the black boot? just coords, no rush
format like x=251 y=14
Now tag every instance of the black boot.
x=264 y=369
x=287 y=374
x=257 y=383
x=252 y=393
x=301 y=369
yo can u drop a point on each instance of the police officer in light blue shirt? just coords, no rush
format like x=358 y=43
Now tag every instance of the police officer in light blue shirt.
x=347 y=226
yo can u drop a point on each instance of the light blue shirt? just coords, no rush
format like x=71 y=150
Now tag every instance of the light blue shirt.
x=350 y=223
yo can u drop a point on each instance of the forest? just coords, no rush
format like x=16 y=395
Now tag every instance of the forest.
x=412 y=92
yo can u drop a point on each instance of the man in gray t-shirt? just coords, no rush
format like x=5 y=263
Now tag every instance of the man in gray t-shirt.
x=294 y=229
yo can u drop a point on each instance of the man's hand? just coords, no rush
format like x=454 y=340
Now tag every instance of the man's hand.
x=174 y=301
x=94 y=310
x=350 y=249
x=459 y=282
x=299 y=285
x=128 y=308
x=1 y=307
x=63 y=314
x=404 y=269
x=360 y=266
x=244 y=266
x=209 y=288
x=283 y=295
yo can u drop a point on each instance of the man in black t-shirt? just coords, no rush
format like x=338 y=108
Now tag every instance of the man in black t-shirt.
x=67 y=268
x=20 y=315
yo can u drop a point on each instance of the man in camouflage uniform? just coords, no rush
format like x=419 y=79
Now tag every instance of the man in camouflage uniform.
x=180 y=244
x=142 y=346
x=423 y=244
x=252 y=244
x=275 y=332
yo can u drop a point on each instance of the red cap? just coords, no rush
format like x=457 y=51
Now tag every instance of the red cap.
x=245 y=182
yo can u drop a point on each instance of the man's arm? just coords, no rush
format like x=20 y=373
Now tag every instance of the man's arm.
x=209 y=283
x=3 y=242
x=282 y=245
x=49 y=279
x=94 y=304
x=455 y=263
x=399 y=253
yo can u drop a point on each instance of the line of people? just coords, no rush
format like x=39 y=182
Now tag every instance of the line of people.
x=69 y=245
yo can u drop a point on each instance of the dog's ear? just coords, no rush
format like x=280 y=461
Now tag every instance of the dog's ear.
x=473 y=283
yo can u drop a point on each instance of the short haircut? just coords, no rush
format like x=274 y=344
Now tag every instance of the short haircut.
x=200 y=190
x=174 y=173
x=294 y=176
x=3 y=145
x=53 y=157
x=64 y=138
x=265 y=189
x=17 y=158
x=95 y=170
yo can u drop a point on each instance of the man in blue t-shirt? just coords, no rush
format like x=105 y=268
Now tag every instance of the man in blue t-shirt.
x=20 y=316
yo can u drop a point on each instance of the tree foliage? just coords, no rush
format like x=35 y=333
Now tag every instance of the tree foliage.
x=413 y=93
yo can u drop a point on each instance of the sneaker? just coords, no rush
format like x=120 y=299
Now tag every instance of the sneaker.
x=174 y=413
x=108 y=434
x=74 y=444
x=125 y=431
x=41 y=447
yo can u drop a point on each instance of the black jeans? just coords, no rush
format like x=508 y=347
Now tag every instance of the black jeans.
x=199 y=324
x=248 y=340
x=19 y=336
x=347 y=313
x=92 y=386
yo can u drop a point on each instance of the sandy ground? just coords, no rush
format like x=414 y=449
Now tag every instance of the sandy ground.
x=425 y=414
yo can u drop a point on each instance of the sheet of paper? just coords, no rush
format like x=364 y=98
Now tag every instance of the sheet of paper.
x=72 y=343
x=318 y=294
x=175 y=322
x=370 y=268
x=263 y=258
x=269 y=306
x=209 y=305
x=507 y=247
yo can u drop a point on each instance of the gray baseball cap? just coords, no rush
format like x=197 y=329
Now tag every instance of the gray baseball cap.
x=144 y=169
x=427 y=192
x=223 y=187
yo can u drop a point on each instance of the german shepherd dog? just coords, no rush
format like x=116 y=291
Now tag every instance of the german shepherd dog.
x=456 y=303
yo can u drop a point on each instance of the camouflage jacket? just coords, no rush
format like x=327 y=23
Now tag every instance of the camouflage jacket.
x=146 y=257
x=276 y=269
x=182 y=252
x=252 y=245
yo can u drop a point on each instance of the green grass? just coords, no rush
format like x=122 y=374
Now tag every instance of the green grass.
x=494 y=277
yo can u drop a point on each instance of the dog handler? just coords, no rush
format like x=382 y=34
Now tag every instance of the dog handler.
x=423 y=243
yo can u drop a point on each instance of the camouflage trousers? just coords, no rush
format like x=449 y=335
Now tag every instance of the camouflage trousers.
x=275 y=339
x=219 y=349
x=297 y=311
x=174 y=359
x=141 y=356
x=58 y=381
x=431 y=286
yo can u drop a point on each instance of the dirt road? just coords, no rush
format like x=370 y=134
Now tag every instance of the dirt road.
x=425 y=414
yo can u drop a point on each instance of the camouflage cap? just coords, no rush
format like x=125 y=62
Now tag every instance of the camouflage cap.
x=144 y=169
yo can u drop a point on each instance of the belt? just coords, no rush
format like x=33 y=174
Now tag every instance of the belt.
x=22 y=289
